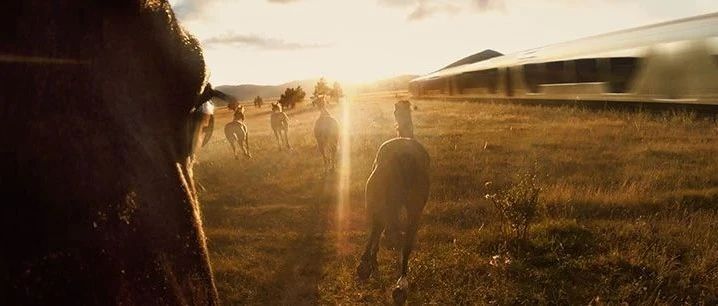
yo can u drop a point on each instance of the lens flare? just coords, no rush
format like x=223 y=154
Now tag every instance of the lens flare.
x=344 y=166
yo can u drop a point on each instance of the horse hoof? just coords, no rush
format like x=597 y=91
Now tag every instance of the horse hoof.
x=400 y=291
x=364 y=270
x=399 y=296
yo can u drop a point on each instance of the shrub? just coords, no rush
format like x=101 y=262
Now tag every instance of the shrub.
x=291 y=97
x=258 y=101
x=517 y=205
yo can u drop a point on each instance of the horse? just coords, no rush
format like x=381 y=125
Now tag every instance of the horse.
x=399 y=181
x=236 y=133
x=326 y=132
x=280 y=125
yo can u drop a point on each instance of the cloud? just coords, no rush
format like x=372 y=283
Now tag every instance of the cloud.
x=190 y=9
x=397 y=3
x=257 y=42
x=426 y=9
x=195 y=9
x=422 y=9
x=489 y=5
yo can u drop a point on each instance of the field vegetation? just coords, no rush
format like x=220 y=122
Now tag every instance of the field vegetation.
x=626 y=208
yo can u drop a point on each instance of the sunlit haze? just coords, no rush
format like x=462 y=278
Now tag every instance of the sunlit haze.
x=275 y=41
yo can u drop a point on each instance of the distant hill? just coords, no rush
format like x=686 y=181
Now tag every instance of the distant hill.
x=245 y=92
x=249 y=91
x=481 y=56
x=391 y=84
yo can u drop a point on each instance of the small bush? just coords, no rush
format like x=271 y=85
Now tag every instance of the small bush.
x=517 y=205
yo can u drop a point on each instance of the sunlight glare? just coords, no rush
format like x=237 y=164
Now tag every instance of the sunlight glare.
x=344 y=165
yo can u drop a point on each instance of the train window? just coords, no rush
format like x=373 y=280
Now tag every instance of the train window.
x=622 y=70
x=414 y=88
x=555 y=73
x=450 y=82
x=508 y=82
x=533 y=76
x=435 y=85
x=492 y=79
x=587 y=70
x=487 y=79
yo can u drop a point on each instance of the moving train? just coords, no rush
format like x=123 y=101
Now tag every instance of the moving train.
x=672 y=62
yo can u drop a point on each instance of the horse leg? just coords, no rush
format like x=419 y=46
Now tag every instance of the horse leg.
x=245 y=147
x=392 y=235
x=234 y=148
x=368 y=264
x=320 y=147
x=326 y=158
x=401 y=289
x=375 y=201
x=286 y=140
x=276 y=136
x=333 y=156
x=416 y=200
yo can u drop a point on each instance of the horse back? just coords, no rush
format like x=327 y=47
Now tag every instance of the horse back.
x=406 y=161
x=234 y=131
x=326 y=129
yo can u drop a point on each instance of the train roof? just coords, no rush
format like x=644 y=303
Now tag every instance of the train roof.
x=625 y=43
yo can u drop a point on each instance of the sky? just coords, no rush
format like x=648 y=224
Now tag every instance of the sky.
x=276 y=41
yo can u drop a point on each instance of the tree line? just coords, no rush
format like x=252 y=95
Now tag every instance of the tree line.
x=292 y=96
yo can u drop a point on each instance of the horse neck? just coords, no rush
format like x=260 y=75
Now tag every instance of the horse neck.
x=406 y=131
x=405 y=126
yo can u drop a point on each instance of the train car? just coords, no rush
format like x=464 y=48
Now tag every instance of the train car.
x=671 y=62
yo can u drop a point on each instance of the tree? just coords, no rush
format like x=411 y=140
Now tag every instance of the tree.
x=285 y=98
x=291 y=97
x=258 y=102
x=299 y=95
x=336 y=92
x=320 y=90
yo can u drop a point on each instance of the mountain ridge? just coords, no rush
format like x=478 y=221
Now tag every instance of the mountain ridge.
x=249 y=91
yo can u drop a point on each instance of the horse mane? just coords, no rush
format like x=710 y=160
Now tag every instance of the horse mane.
x=404 y=122
x=239 y=113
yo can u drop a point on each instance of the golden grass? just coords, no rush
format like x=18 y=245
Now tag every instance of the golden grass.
x=628 y=212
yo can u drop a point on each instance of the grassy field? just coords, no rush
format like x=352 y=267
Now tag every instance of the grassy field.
x=628 y=210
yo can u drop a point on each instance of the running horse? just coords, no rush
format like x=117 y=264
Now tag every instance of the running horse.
x=399 y=181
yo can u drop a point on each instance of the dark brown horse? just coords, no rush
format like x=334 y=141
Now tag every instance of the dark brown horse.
x=102 y=111
x=326 y=132
x=398 y=182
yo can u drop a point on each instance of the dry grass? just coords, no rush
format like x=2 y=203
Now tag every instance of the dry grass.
x=628 y=209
